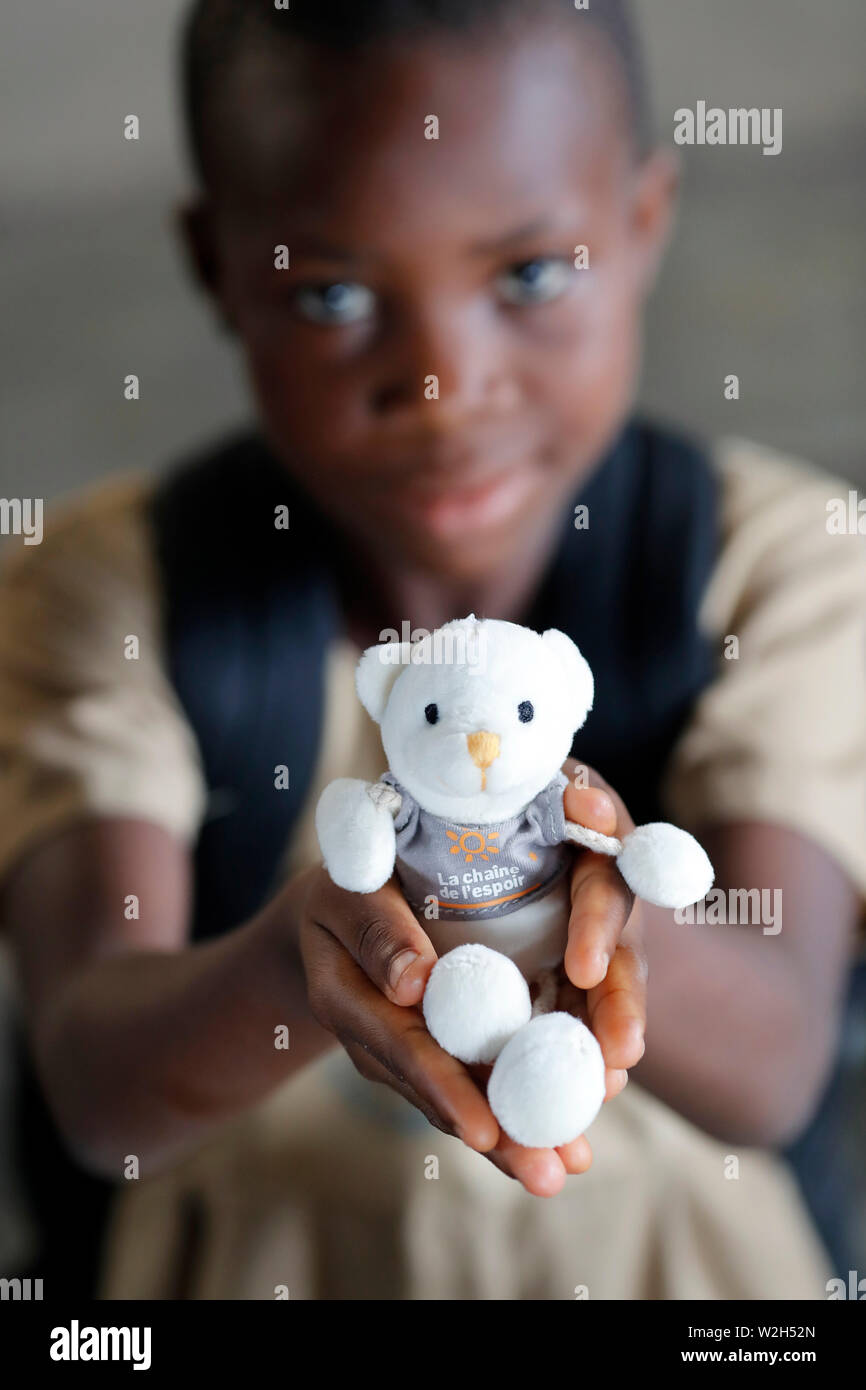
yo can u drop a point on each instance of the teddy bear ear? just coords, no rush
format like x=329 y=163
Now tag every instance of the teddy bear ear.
x=376 y=673
x=575 y=667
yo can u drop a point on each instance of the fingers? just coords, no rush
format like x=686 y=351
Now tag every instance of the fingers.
x=615 y=1081
x=601 y=901
x=574 y=1001
x=590 y=806
x=576 y=1156
x=617 y=1007
x=348 y=1004
x=601 y=905
x=372 y=1070
x=541 y=1171
x=381 y=933
x=597 y=785
x=605 y=953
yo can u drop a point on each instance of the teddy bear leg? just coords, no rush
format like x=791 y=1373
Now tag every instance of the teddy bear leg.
x=548 y=1083
x=475 y=1000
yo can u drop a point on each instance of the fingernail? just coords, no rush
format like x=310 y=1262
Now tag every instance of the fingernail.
x=602 y=961
x=399 y=965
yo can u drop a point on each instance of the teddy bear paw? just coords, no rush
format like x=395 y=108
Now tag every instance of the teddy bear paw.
x=665 y=865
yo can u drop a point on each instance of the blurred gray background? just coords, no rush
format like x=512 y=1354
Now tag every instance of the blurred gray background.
x=765 y=278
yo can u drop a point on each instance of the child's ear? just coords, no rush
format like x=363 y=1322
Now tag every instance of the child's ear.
x=653 y=211
x=376 y=673
x=194 y=223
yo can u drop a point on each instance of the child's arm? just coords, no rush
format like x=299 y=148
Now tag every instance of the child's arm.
x=742 y=1022
x=143 y=1042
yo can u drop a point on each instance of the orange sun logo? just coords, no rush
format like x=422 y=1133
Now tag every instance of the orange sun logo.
x=481 y=847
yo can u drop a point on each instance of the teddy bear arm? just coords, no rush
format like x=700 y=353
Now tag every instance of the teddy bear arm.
x=592 y=839
x=356 y=835
x=660 y=863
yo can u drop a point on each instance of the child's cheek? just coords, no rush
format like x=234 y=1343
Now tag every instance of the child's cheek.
x=306 y=408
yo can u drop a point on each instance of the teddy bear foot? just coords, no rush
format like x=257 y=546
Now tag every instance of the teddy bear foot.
x=548 y=1083
x=475 y=1000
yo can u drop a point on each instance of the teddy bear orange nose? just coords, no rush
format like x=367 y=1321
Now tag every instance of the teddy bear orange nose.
x=483 y=747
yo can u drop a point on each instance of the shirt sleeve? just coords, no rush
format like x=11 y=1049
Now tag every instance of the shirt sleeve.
x=89 y=723
x=406 y=819
x=780 y=735
x=547 y=811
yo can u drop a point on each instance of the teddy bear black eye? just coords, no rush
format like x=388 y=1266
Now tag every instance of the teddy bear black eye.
x=525 y=711
x=432 y=713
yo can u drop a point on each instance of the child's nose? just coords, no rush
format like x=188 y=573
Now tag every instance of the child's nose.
x=451 y=371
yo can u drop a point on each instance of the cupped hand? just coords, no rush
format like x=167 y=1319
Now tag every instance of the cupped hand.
x=367 y=960
x=605 y=968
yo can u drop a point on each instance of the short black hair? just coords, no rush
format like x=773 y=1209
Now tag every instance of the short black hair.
x=215 y=31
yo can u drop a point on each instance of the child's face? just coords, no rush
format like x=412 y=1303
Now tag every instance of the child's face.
x=449 y=258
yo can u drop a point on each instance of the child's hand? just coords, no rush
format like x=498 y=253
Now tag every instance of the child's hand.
x=605 y=961
x=367 y=960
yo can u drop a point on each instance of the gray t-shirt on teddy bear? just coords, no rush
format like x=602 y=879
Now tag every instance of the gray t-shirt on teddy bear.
x=473 y=871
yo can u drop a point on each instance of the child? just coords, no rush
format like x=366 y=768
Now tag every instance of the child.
x=443 y=381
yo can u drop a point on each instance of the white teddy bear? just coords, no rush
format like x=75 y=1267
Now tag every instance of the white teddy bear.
x=477 y=719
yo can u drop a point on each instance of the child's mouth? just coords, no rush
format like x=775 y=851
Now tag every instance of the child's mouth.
x=463 y=508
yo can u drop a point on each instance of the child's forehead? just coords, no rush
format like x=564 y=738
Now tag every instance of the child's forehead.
x=437 y=121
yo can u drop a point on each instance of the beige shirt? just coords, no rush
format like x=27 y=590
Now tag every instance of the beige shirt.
x=328 y=1186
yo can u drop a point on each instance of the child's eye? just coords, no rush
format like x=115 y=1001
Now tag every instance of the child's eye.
x=536 y=282
x=339 y=303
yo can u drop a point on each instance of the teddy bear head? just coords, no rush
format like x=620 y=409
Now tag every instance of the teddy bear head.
x=477 y=717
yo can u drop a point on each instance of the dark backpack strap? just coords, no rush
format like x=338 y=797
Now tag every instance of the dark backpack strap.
x=248 y=612
x=627 y=589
